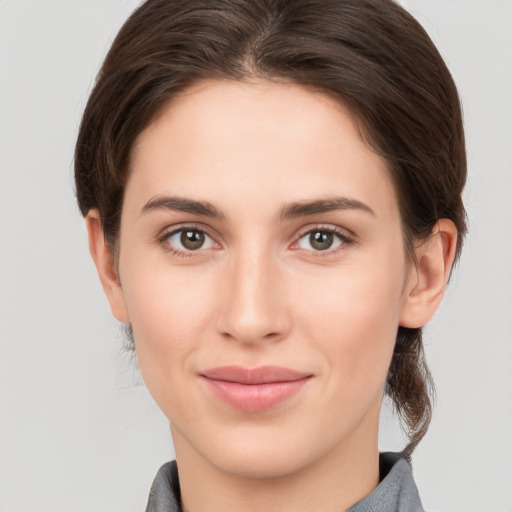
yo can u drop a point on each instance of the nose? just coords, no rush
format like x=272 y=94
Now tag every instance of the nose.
x=252 y=304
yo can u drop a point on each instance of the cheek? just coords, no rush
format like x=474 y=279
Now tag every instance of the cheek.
x=168 y=309
x=353 y=321
x=168 y=316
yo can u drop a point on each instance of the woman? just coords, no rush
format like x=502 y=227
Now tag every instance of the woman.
x=272 y=192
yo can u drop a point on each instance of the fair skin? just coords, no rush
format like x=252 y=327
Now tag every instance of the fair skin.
x=320 y=293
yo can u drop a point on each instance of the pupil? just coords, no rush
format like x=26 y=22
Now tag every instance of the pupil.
x=321 y=240
x=192 y=239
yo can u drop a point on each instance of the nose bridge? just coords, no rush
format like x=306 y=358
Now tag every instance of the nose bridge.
x=253 y=306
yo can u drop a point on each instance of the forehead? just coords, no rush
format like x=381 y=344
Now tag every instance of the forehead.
x=240 y=142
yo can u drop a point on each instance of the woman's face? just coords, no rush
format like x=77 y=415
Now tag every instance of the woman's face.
x=262 y=269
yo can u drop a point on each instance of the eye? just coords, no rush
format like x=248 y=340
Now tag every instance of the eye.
x=322 y=240
x=187 y=240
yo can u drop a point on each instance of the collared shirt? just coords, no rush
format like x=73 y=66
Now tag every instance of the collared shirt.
x=396 y=492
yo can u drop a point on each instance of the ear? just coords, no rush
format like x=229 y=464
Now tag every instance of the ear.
x=428 y=277
x=105 y=265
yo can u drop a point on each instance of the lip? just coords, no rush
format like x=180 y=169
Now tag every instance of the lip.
x=254 y=389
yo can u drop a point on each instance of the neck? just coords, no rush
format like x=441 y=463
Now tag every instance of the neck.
x=332 y=483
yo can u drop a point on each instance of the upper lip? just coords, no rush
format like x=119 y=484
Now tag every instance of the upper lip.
x=259 y=375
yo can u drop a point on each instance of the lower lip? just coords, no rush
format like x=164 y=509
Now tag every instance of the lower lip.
x=255 y=397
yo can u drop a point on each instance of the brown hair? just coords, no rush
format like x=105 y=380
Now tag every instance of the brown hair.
x=369 y=54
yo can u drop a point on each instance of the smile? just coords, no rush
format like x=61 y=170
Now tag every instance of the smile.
x=257 y=389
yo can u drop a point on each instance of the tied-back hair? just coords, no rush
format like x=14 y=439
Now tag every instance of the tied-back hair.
x=370 y=55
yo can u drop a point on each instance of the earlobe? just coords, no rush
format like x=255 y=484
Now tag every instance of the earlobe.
x=429 y=276
x=105 y=265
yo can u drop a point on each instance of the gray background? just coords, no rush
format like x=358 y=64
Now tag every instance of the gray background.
x=78 y=429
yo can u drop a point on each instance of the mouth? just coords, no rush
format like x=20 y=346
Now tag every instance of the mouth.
x=255 y=389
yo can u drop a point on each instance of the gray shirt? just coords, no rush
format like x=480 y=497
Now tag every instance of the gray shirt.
x=396 y=492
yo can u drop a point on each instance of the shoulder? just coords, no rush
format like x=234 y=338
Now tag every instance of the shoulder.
x=397 y=491
x=165 y=491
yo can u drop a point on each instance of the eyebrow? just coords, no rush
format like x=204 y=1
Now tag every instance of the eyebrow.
x=182 y=204
x=289 y=211
x=330 y=204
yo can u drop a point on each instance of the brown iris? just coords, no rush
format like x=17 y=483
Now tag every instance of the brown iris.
x=192 y=240
x=321 y=240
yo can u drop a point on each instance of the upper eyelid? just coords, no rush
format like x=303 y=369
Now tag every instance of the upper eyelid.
x=301 y=232
x=344 y=233
x=171 y=230
x=344 y=238
x=166 y=233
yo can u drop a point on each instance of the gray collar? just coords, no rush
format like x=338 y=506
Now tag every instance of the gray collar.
x=396 y=492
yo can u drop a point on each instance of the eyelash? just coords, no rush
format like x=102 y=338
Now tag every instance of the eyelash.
x=176 y=252
x=345 y=240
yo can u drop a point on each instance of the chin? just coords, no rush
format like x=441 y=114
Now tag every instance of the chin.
x=261 y=453
x=265 y=463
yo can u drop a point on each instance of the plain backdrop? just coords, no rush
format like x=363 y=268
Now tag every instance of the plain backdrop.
x=79 y=432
